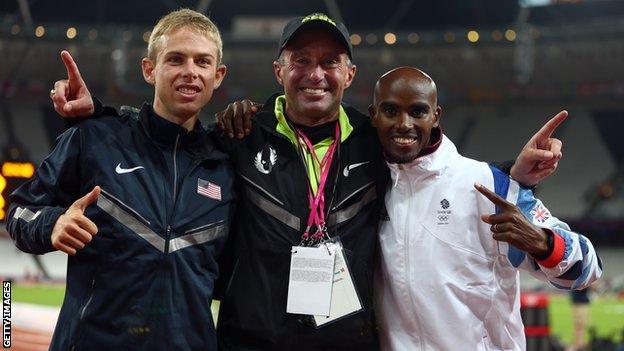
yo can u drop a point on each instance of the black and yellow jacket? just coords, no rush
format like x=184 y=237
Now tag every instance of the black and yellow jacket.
x=271 y=216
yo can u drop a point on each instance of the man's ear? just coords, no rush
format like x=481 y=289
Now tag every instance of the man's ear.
x=350 y=75
x=147 y=66
x=219 y=75
x=277 y=69
x=372 y=112
x=437 y=116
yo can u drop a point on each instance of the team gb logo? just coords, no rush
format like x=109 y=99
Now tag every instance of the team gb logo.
x=265 y=159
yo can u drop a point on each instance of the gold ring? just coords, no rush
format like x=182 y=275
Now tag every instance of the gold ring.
x=52 y=92
x=495 y=229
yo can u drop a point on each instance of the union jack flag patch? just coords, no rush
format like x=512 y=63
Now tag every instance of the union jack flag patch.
x=208 y=189
x=540 y=213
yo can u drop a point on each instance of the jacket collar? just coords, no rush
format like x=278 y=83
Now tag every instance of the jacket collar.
x=436 y=137
x=164 y=133
x=429 y=165
x=267 y=119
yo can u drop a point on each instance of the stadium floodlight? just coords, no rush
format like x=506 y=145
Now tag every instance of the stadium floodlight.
x=356 y=39
x=536 y=3
x=390 y=38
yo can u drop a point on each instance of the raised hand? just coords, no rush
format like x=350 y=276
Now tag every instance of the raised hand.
x=70 y=96
x=236 y=118
x=73 y=230
x=511 y=226
x=540 y=156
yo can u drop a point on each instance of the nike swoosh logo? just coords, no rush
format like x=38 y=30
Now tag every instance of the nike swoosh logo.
x=347 y=169
x=120 y=170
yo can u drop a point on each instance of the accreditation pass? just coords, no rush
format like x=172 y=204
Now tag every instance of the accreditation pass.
x=345 y=300
x=310 y=281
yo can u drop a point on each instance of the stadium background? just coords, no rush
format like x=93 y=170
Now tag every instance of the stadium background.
x=502 y=67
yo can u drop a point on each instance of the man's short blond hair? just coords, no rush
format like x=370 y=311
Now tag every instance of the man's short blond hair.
x=183 y=18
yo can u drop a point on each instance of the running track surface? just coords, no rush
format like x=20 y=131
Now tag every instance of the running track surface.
x=32 y=326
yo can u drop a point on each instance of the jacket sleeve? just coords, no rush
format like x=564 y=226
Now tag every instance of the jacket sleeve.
x=99 y=110
x=573 y=263
x=37 y=204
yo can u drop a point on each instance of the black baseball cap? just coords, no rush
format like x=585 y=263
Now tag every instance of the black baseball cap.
x=315 y=19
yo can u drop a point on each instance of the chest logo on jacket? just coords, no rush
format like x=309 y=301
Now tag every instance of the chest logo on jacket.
x=348 y=168
x=120 y=170
x=265 y=159
x=208 y=189
x=444 y=213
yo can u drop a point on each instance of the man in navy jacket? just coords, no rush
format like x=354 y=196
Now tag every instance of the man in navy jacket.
x=140 y=204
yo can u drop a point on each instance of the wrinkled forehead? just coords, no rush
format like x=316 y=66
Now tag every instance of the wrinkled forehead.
x=406 y=91
x=188 y=37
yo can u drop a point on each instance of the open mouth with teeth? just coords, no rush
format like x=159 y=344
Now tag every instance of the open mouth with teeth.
x=404 y=140
x=188 y=90
x=314 y=91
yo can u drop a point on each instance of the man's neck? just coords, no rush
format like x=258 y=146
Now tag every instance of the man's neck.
x=311 y=121
x=187 y=123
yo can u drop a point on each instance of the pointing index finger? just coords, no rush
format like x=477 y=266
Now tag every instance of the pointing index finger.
x=492 y=196
x=73 y=74
x=549 y=128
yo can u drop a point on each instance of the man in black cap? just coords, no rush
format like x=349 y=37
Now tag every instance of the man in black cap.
x=309 y=169
x=304 y=146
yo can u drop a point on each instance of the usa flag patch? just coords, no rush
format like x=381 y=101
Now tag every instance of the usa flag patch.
x=208 y=189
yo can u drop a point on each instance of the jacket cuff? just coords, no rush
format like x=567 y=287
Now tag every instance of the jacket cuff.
x=504 y=166
x=558 y=250
x=98 y=110
x=98 y=107
x=51 y=217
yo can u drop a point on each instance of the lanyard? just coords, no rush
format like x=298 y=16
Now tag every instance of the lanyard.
x=317 y=202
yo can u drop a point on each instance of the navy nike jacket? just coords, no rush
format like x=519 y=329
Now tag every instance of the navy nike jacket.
x=146 y=280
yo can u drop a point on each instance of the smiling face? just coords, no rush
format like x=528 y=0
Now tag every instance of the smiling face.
x=185 y=72
x=315 y=71
x=404 y=112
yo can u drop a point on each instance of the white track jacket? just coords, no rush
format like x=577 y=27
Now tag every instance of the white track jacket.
x=445 y=283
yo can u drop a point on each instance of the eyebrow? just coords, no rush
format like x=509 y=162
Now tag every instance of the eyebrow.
x=205 y=54
x=419 y=105
x=387 y=104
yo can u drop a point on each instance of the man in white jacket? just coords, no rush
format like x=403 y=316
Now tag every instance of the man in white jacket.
x=451 y=248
